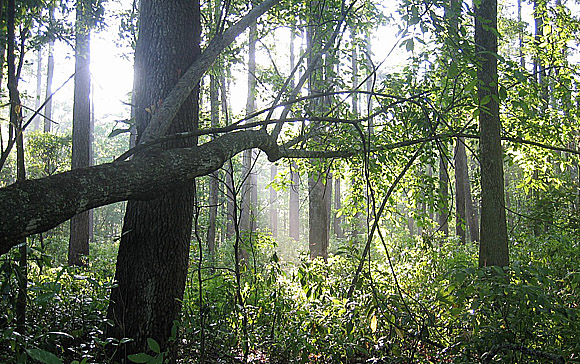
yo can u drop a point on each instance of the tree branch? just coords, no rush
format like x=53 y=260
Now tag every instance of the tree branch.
x=163 y=117
x=34 y=206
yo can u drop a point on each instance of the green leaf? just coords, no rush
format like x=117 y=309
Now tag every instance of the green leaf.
x=153 y=345
x=453 y=70
x=43 y=356
x=116 y=132
x=140 y=358
x=410 y=45
x=502 y=93
x=485 y=100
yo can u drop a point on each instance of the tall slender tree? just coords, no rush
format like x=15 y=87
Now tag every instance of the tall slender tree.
x=294 y=193
x=49 y=78
x=78 y=248
x=493 y=247
x=461 y=179
x=214 y=177
x=273 y=202
x=318 y=224
x=249 y=185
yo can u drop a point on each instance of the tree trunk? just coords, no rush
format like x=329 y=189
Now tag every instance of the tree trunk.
x=443 y=193
x=154 y=250
x=493 y=248
x=36 y=123
x=294 y=198
x=228 y=170
x=317 y=217
x=78 y=248
x=294 y=204
x=328 y=199
x=16 y=125
x=214 y=177
x=461 y=179
x=249 y=188
x=337 y=206
x=472 y=212
x=49 y=77
x=318 y=82
x=273 y=203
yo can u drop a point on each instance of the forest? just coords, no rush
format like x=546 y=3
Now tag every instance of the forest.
x=281 y=181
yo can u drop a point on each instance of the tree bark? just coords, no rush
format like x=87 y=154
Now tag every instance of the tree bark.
x=443 y=194
x=337 y=206
x=154 y=250
x=214 y=177
x=318 y=82
x=493 y=248
x=472 y=212
x=36 y=123
x=78 y=248
x=461 y=179
x=294 y=193
x=49 y=77
x=294 y=204
x=249 y=188
x=16 y=125
x=273 y=203
x=317 y=217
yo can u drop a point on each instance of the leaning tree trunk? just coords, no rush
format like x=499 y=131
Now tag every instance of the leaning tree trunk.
x=78 y=248
x=154 y=250
x=493 y=247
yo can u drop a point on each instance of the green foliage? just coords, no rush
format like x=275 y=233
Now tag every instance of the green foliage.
x=65 y=314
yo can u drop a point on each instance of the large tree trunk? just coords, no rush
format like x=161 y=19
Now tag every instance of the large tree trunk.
x=318 y=82
x=493 y=248
x=154 y=249
x=317 y=216
x=78 y=248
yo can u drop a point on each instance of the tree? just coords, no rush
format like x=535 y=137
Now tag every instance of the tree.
x=443 y=216
x=294 y=193
x=214 y=178
x=249 y=182
x=49 y=77
x=493 y=248
x=273 y=203
x=461 y=179
x=80 y=224
x=154 y=249
x=294 y=204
